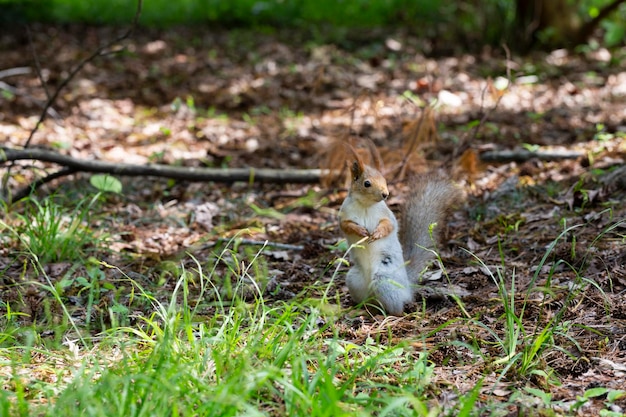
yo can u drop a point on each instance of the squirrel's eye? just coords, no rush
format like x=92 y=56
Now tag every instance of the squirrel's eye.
x=367 y=183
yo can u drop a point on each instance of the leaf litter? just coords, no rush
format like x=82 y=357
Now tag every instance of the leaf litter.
x=280 y=100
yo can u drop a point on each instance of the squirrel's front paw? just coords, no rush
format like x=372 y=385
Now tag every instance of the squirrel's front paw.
x=363 y=232
x=351 y=228
x=384 y=229
x=375 y=236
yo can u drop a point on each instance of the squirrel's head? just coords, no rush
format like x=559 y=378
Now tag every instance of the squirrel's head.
x=368 y=183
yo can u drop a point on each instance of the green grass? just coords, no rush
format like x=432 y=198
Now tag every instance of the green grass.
x=53 y=233
x=283 y=13
x=247 y=12
x=245 y=359
x=214 y=346
x=524 y=347
x=208 y=349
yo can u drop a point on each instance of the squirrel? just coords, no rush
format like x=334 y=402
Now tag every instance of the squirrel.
x=380 y=251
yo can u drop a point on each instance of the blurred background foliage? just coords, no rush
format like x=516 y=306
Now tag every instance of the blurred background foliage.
x=524 y=24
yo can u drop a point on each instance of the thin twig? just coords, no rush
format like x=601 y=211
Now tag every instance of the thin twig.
x=26 y=191
x=414 y=139
x=38 y=69
x=98 y=52
x=487 y=114
x=52 y=98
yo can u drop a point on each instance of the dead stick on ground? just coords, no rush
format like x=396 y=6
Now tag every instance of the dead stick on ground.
x=279 y=176
x=522 y=155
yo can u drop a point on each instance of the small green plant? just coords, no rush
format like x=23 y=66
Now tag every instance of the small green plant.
x=291 y=120
x=510 y=223
x=610 y=397
x=54 y=233
x=105 y=183
x=530 y=147
x=8 y=95
x=523 y=348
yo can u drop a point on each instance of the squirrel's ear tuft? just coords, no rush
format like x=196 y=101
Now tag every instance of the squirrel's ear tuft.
x=357 y=167
x=357 y=170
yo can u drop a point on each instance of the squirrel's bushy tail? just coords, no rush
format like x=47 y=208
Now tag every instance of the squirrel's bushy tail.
x=430 y=201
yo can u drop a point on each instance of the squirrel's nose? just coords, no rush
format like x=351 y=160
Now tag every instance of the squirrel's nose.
x=385 y=195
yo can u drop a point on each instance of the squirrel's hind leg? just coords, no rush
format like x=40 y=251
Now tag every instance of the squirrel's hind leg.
x=392 y=294
x=358 y=285
x=391 y=286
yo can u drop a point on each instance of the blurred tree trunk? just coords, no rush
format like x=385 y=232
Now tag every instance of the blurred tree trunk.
x=557 y=21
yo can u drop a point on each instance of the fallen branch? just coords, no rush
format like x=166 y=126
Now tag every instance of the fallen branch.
x=279 y=176
x=523 y=155
x=14 y=71
x=51 y=98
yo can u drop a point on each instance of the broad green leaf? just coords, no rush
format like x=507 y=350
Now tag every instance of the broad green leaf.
x=106 y=183
x=615 y=34
x=546 y=397
x=595 y=392
x=614 y=395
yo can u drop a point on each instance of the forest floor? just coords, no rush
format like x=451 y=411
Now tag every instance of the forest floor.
x=551 y=231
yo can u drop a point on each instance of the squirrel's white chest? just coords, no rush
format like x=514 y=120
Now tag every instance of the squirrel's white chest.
x=367 y=216
x=369 y=253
